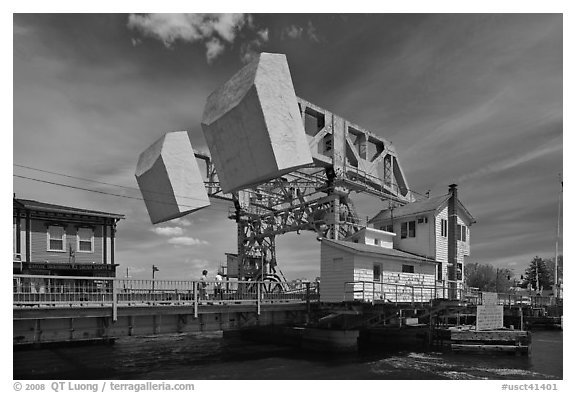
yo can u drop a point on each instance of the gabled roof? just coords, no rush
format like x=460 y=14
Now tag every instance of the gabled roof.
x=369 y=249
x=48 y=207
x=419 y=207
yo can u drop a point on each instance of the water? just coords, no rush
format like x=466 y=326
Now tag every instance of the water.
x=211 y=356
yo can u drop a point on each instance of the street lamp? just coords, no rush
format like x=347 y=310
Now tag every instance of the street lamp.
x=154 y=270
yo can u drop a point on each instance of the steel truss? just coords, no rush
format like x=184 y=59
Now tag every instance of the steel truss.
x=315 y=198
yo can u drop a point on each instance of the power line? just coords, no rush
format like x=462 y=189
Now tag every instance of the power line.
x=109 y=193
x=105 y=183
x=128 y=188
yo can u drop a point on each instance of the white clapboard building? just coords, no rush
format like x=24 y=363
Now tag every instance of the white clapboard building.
x=411 y=253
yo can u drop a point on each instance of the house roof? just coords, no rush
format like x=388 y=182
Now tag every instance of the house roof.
x=418 y=207
x=369 y=249
x=48 y=207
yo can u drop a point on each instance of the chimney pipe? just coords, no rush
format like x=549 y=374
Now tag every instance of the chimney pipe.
x=452 y=242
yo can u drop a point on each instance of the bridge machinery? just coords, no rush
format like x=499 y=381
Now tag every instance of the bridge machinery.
x=285 y=164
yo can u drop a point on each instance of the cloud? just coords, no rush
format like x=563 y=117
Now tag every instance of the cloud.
x=509 y=163
x=292 y=31
x=312 y=32
x=216 y=31
x=182 y=221
x=187 y=241
x=168 y=231
x=250 y=49
x=296 y=32
x=214 y=48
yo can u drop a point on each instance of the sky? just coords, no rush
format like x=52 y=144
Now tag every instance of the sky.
x=472 y=99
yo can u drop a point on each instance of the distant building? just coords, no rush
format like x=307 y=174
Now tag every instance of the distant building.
x=60 y=240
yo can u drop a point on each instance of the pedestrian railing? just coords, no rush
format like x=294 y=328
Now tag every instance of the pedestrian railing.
x=392 y=292
x=534 y=300
x=59 y=291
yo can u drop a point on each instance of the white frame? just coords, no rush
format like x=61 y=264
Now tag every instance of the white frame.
x=48 y=248
x=91 y=241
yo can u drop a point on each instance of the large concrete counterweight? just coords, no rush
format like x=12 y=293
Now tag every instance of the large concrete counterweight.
x=169 y=178
x=253 y=126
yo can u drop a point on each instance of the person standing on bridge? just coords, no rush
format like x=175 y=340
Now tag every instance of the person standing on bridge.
x=218 y=287
x=203 y=285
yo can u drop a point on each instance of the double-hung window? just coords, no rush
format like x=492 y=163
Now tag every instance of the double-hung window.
x=412 y=229
x=461 y=234
x=408 y=229
x=56 y=238
x=444 y=227
x=85 y=240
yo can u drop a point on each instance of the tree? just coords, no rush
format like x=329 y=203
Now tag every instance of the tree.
x=538 y=275
x=550 y=265
x=487 y=278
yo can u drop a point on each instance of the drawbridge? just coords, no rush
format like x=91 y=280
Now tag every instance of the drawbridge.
x=283 y=163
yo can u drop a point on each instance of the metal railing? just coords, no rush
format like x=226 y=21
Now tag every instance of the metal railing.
x=392 y=292
x=60 y=291
x=515 y=299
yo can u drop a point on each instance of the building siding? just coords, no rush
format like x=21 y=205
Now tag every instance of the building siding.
x=39 y=245
x=422 y=244
x=442 y=243
x=333 y=281
x=394 y=284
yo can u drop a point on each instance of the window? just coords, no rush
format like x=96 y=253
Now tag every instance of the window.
x=377 y=272
x=461 y=234
x=412 y=229
x=388 y=228
x=439 y=272
x=444 y=226
x=85 y=240
x=377 y=242
x=422 y=220
x=56 y=238
x=408 y=229
x=407 y=268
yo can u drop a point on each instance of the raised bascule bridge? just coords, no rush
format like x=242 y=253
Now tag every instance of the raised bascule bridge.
x=284 y=165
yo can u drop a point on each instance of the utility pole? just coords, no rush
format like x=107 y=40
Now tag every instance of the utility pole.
x=556 y=288
x=537 y=279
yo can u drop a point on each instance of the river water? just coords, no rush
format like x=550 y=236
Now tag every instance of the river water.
x=212 y=356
